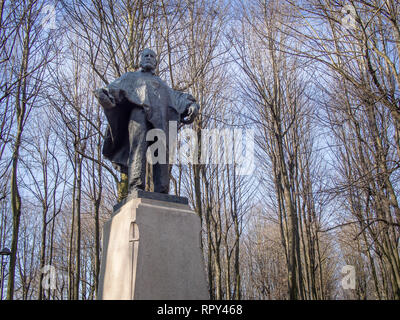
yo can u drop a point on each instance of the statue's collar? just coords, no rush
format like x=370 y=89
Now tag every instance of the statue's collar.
x=151 y=71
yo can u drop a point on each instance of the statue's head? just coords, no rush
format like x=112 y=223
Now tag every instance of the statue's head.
x=148 y=60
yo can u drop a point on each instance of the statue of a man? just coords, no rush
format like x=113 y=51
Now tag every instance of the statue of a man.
x=133 y=104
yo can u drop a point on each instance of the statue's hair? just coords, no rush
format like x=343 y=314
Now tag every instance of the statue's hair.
x=146 y=49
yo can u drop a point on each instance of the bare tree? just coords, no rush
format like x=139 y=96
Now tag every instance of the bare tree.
x=29 y=66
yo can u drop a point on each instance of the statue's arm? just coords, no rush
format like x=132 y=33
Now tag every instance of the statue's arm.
x=110 y=96
x=106 y=99
x=187 y=105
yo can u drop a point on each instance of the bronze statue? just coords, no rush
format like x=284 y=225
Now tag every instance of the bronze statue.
x=133 y=104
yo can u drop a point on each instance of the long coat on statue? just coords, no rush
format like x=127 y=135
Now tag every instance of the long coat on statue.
x=139 y=90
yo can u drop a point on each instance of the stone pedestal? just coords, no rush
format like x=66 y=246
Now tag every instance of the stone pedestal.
x=151 y=251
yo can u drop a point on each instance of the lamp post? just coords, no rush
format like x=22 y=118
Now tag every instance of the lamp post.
x=3 y=252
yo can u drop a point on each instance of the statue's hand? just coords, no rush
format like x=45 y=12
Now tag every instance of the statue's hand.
x=105 y=99
x=190 y=113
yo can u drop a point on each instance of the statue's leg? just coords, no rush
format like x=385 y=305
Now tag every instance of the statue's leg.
x=161 y=178
x=138 y=127
x=161 y=172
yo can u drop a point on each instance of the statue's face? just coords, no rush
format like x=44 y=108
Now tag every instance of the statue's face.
x=148 y=60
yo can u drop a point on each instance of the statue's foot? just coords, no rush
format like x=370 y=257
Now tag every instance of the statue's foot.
x=161 y=190
x=134 y=189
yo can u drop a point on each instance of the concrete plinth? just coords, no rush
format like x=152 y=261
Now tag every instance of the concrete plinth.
x=151 y=251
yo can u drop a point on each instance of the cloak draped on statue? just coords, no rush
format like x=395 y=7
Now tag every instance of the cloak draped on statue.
x=139 y=90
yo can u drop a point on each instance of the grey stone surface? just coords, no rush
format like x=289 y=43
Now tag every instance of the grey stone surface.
x=149 y=195
x=133 y=104
x=151 y=250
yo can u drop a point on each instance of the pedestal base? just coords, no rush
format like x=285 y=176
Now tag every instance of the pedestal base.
x=151 y=251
